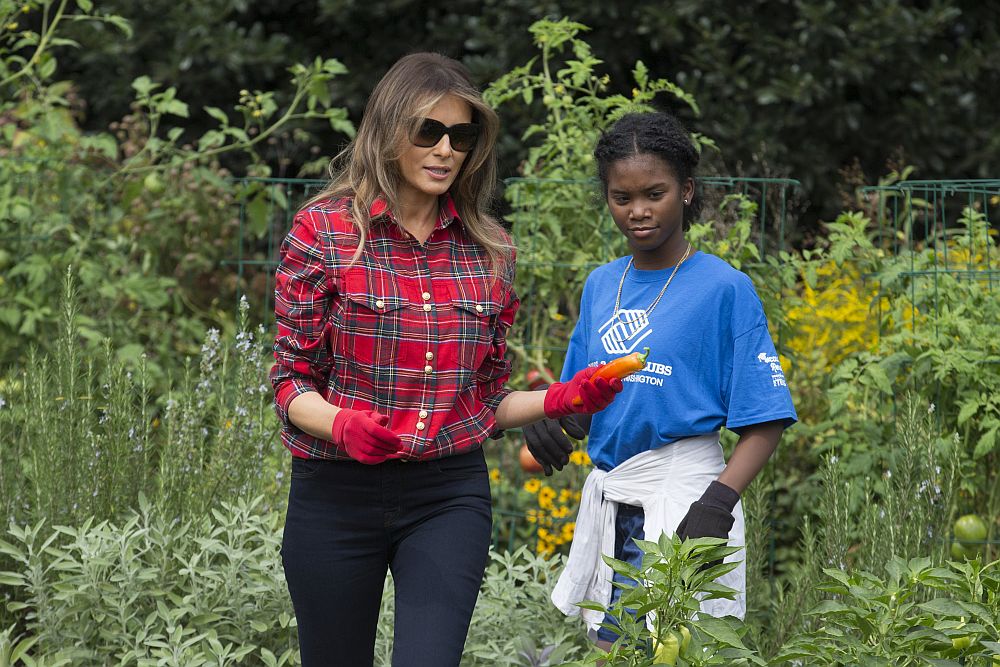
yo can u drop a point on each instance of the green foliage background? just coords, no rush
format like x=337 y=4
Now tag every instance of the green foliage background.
x=797 y=88
x=115 y=170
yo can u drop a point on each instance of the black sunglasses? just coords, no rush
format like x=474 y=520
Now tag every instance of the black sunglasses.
x=462 y=136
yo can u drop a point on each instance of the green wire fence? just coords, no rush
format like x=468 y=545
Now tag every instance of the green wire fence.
x=943 y=303
x=946 y=230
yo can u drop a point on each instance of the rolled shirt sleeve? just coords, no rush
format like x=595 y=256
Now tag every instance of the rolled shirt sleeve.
x=492 y=376
x=301 y=307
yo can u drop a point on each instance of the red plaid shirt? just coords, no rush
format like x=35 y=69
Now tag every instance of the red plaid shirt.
x=417 y=332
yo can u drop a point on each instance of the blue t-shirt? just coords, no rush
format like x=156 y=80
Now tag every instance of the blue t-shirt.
x=712 y=362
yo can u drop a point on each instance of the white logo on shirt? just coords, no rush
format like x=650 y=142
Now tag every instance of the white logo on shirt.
x=777 y=375
x=622 y=328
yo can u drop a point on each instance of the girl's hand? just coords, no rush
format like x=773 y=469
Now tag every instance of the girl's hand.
x=595 y=394
x=711 y=515
x=364 y=435
x=548 y=440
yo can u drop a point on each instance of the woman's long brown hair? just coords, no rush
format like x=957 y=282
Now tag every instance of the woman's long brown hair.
x=369 y=167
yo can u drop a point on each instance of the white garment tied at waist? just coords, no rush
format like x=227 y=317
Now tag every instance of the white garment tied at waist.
x=664 y=482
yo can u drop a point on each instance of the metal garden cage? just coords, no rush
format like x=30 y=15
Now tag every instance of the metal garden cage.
x=944 y=230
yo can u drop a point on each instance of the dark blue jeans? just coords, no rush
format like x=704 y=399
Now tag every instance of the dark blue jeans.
x=428 y=523
x=628 y=528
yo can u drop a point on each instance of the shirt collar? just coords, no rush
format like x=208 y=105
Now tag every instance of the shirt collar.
x=447 y=212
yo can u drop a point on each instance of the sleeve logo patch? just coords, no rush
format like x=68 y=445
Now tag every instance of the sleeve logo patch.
x=777 y=375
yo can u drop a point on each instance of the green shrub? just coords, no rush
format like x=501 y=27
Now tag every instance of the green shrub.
x=84 y=437
x=860 y=523
x=673 y=578
x=918 y=614
x=151 y=590
x=145 y=214
x=154 y=591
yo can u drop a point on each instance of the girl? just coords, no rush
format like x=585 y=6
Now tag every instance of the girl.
x=393 y=299
x=658 y=463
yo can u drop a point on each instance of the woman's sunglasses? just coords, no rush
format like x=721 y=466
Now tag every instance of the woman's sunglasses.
x=462 y=136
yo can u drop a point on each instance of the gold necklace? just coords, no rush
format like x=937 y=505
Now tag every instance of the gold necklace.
x=621 y=283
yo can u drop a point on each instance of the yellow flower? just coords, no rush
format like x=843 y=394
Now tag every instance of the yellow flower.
x=567 y=531
x=579 y=458
x=229 y=423
x=495 y=475
x=532 y=485
x=836 y=318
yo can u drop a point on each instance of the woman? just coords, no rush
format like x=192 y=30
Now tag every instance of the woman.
x=711 y=364
x=393 y=299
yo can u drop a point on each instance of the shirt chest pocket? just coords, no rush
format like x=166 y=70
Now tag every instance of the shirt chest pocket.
x=372 y=323
x=474 y=322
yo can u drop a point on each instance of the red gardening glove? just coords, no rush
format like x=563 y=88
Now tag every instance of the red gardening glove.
x=596 y=394
x=364 y=435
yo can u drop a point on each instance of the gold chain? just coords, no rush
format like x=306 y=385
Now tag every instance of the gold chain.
x=621 y=283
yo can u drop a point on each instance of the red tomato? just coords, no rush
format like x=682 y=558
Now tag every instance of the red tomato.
x=528 y=462
x=536 y=378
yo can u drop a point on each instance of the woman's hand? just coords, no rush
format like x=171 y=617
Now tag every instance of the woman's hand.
x=364 y=435
x=595 y=394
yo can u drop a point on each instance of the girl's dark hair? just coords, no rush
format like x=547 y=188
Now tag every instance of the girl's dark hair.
x=658 y=134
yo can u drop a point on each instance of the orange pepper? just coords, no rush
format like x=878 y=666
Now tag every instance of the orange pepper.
x=619 y=368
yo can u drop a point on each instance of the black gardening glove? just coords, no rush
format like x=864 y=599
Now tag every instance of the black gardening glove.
x=548 y=442
x=711 y=515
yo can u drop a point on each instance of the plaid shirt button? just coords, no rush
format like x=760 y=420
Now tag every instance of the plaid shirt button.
x=380 y=304
x=429 y=356
x=422 y=414
x=428 y=369
x=426 y=296
x=420 y=426
x=427 y=307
